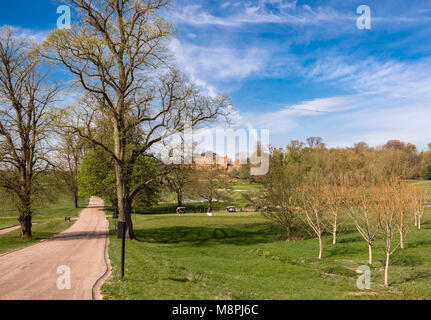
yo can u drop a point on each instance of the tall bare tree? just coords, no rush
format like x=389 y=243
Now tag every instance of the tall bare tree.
x=117 y=54
x=386 y=208
x=25 y=100
x=70 y=155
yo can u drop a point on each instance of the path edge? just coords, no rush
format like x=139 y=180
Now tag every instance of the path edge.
x=96 y=290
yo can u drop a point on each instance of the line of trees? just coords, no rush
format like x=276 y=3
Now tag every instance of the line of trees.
x=322 y=189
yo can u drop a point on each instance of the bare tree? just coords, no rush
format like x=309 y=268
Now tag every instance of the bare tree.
x=335 y=198
x=404 y=198
x=118 y=57
x=419 y=201
x=25 y=100
x=281 y=192
x=387 y=214
x=393 y=210
x=358 y=204
x=70 y=155
x=315 y=142
x=177 y=179
x=179 y=174
x=209 y=184
x=314 y=208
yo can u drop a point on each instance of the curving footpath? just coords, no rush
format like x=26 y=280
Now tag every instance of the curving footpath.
x=10 y=229
x=31 y=273
x=7 y=230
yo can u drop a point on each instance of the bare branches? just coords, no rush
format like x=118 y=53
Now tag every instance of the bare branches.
x=26 y=97
x=358 y=202
x=118 y=56
x=314 y=209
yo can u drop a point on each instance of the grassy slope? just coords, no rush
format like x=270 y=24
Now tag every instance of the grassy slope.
x=242 y=257
x=236 y=192
x=50 y=221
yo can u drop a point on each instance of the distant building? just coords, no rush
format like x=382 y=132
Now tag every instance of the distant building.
x=216 y=161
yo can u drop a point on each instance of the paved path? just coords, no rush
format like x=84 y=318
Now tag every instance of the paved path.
x=7 y=230
x=31 y=273
x=10 y=229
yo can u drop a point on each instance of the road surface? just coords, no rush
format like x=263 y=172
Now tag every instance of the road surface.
x=40 y=272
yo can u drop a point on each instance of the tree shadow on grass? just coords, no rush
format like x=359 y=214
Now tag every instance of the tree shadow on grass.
x=421 y=275
x=420 y=243
x=400 y=258
x=342 y=251
x=206 y=236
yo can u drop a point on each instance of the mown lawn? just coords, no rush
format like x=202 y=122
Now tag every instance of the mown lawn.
x=243 y=256
x=236 y=196
x=48 y=221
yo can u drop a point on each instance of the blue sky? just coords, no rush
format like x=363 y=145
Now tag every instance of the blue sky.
x=300 y=68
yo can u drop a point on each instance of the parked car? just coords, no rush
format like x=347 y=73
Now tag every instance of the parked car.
x=181 y=210
x=230 y=209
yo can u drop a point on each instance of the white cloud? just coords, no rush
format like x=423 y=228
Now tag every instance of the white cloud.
x=388 y=100
x=216 y=64
x=33 y=35
x=265 y=11
x=284 y=120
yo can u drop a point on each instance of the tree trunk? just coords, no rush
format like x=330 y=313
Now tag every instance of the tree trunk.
x=114 y=202
x=123 y=201
x=388 y=256
x=419 y=222
x=334 y=233
x=402 y=239
x=209 y=206
x=288 y=233
x=75 y=199
x=123 y=174
x=25 y=207
x=320 y=248
x=180 y=198
x=25 y=221
x=370 y=254
x=130 y=234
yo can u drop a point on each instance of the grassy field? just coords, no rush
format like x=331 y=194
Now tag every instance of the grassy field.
x=48 y=221
x=236 y=191
x=243 y=256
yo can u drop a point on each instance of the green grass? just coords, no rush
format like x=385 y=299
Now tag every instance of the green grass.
x=243 y=256
x=235 y=190
x=48 y=221
x=426 y=184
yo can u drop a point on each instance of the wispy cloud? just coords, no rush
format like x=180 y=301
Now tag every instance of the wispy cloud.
x=388 y=100
x=216 y=64
x=33 y=35
x=284 y=119
x=265 y=11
